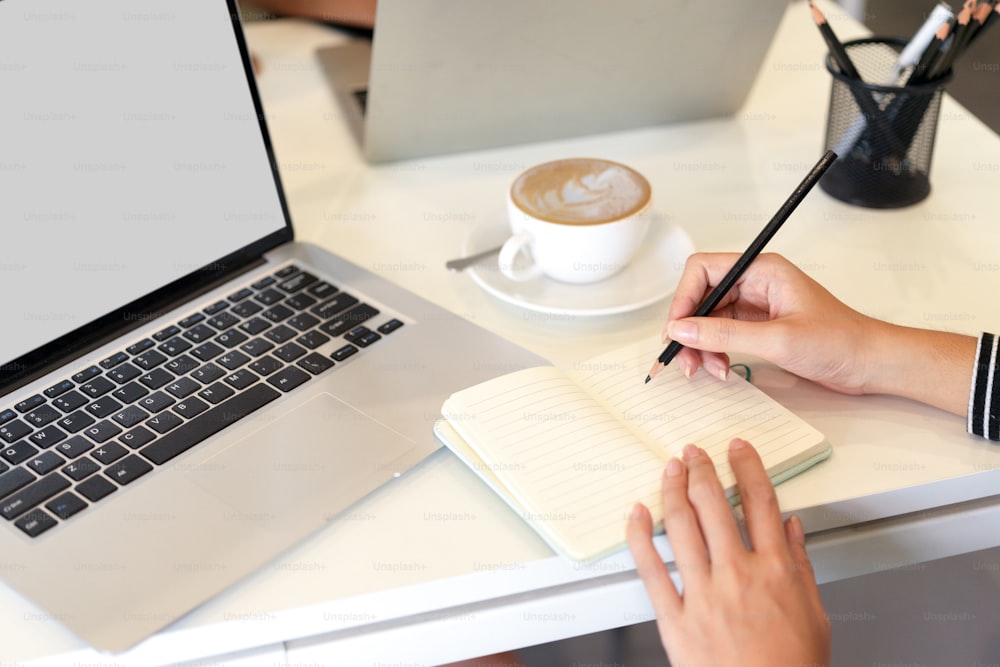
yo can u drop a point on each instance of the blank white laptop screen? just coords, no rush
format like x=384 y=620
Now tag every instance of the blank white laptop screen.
x=91 y=221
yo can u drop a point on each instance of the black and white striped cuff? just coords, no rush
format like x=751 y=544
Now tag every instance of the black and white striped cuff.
x=984 y=397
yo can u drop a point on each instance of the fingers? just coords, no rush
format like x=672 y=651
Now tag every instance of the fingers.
x=715 y=515
x=760 y=504
x=681 y=525
x=800 y=560
x=655 y=578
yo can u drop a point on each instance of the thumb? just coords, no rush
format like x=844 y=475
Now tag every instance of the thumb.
x=722 y=334
x=800 y=561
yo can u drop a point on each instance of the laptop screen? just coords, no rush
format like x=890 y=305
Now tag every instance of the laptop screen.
x=131 y=155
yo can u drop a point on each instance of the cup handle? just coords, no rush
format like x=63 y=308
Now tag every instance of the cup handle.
x=512 y=247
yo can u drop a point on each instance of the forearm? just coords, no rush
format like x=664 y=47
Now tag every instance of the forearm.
x=359 y=13
x=933 y=367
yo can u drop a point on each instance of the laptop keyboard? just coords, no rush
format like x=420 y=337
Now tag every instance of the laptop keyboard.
x=103 y=427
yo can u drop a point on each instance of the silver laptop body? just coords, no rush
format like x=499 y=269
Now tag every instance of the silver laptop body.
x=442 y=76
x=137 y=190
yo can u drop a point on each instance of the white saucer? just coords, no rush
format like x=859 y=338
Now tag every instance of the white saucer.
x=651 y=276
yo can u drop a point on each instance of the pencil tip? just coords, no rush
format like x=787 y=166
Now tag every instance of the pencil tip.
x=647 y=380
x=654 y=370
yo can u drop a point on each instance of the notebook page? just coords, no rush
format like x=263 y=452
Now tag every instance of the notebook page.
x=568 y=462
x=672 y=411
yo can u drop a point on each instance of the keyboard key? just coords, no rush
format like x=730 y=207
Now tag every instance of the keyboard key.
x=114 y=360
x=181 y=365
x=257 y=347
x=233 y=360
x=174 y=346
x=70 y=401
x=231 y=338
x=17 y=504
x=191 y=320
x=191 y=407
x=255 y=326
x=56 y=389
x=149 y=359
x=74 y=447
x=246 y=309
x=18 y=451
x=331 y=307
x=76 y=421
x=281 y=334
x=66 y=505
x=136 y=348
x=300 y=301
x=312 y=340
x=315 y=363
x=216 y=393
x=349 y=320
x=109 y=452
x=207 y=351
x=35 y=523
x=216 y=307
x=183 y=387
x=128 y=469
x=208 y=373
x=86 y=374
x=80 y=469
x=137 y=437
x=289 y=352
x=156 y=401
x=286 y=271
x=344 y=352
x=241 y=379
x=303 y=321
x=95 y=488
x=102 y=431
x=30 y=403
x=124 y=373
x=130 y=393
x=269 y=297
x=7 y=415
x=266 y=365
x=362 y=336
x=167 y=334
x=224 y=321
x=321 y=290
x=103 y=407
x=209 y=423
x=200 y=333
x=298 y=281
x=42 y=416
x=97 y=387
x=389 y=326
x=163 y=422
x=263 y=282
x=242 y=294
x=44 y=462
x=16 y=478
x=47 y=437
x=130 y=416
x=14 y=430
x=288 y=378
x=156 y=378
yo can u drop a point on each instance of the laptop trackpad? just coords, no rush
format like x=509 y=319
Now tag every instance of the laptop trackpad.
x=304 y=467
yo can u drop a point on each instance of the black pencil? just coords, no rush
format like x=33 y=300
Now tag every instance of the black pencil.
x=837 y=50
x=928 y=59
x=727 y=282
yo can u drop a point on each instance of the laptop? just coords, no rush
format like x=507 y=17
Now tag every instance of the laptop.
x=442 y=76
x=185 y=391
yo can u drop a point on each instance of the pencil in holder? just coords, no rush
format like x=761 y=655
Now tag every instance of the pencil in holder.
x=883 y=133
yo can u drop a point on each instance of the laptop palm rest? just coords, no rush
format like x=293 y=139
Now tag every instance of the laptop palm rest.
x=304 y=467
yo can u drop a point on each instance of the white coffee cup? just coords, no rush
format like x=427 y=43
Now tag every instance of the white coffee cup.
x=577 y=220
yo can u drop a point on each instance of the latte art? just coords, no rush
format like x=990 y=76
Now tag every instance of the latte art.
x=580 y=191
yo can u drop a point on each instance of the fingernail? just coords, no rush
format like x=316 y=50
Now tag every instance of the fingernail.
x=638 y=510
x=690 y=451
x=717 y=368
x=737 y=443
x=796 y=529
x=686 y=368
x=683 y=332
x=674 y=468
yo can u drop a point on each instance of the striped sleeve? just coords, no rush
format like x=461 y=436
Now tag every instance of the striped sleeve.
x=984 y=395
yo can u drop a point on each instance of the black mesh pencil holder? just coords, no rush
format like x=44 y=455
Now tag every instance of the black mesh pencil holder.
x=883 y=134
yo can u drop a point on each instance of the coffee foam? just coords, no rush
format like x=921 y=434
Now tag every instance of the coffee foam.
x=580 y=191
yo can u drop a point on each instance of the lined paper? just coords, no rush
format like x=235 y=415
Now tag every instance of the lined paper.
x=576 y=449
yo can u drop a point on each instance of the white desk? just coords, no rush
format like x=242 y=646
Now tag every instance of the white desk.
x=433 y=567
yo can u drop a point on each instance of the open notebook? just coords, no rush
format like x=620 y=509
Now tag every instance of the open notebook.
x=571 y=450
